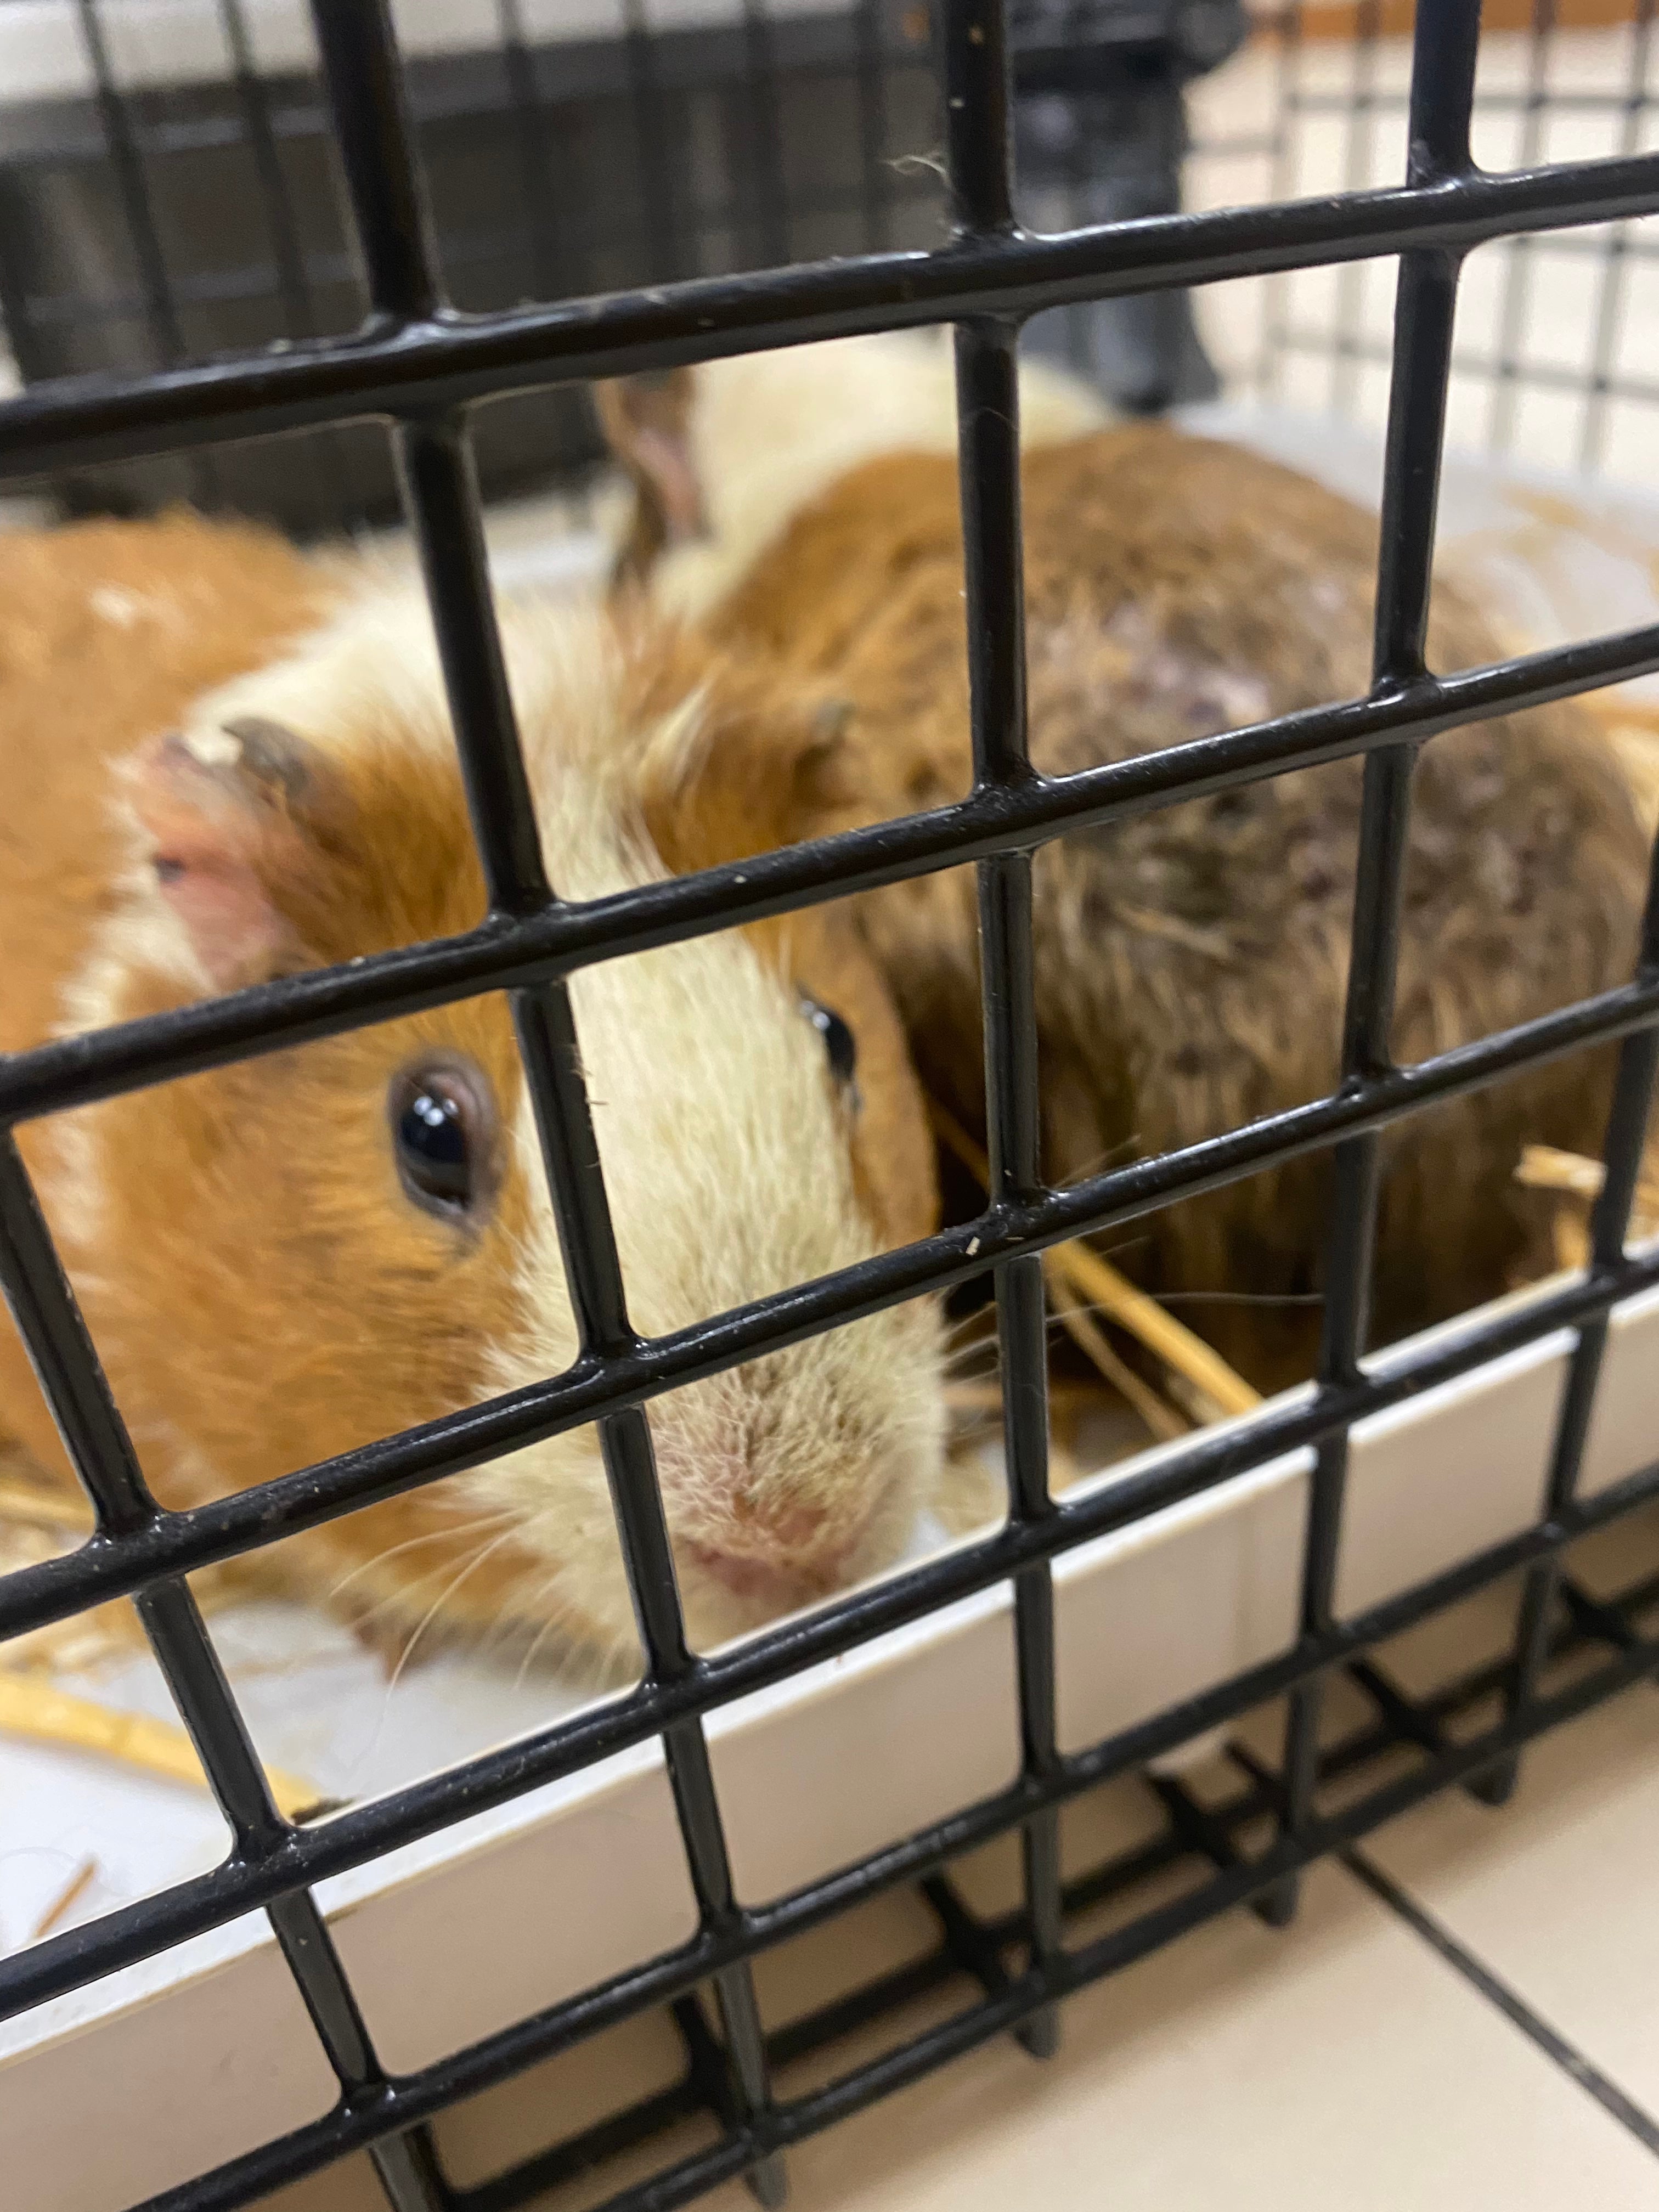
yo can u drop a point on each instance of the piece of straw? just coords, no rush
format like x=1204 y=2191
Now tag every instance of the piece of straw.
x=1157 y=1328
x=1544 y=1167
x=44 y=1714
x=73 y=1890
x=1094 y=1281
x=31 y=1502
x=1081 y=1327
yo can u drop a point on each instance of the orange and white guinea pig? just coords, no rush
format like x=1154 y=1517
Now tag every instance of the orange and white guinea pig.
x=225 y=764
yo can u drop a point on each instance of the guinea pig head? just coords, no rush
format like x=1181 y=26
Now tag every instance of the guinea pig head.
x=294 y=1256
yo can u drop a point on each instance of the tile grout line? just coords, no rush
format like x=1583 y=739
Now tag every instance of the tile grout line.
x=1607 y=2094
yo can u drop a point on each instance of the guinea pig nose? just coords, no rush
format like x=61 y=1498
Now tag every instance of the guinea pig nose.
x=744 y=1575
x=795 y=1555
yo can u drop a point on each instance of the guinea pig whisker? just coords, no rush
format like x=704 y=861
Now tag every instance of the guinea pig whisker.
x=1083 y=1169
x=441 y=1600
x=510 y=1621
x=536 y=1643
x=409 y=1543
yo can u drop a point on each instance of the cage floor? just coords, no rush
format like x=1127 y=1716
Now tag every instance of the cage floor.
x=1465 y=2012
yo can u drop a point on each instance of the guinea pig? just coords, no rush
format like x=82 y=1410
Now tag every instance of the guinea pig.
x=719 y=456
x=226 y=764
x=1191 y=964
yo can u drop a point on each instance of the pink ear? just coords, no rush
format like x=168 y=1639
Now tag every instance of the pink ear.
x=223 y=836
x=646 y=421
x=666 y=460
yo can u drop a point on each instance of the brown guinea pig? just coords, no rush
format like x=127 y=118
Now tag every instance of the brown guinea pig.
x=1191 y=963
x=227 y=764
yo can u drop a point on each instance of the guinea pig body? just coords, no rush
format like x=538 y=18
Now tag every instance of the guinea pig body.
x=1191 y=964
x=290 y=1256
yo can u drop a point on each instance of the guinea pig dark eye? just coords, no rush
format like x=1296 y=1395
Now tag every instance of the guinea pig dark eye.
x=441 y=1132
x=839 y=1046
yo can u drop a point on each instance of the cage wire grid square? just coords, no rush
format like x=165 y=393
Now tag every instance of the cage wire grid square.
x=422 y=365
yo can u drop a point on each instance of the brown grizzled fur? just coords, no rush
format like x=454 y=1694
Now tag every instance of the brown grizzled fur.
x=1191 y=963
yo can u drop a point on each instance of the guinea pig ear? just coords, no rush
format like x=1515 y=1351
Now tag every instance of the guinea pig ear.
x=228 y=816
x=754 y=766
x=647 y=422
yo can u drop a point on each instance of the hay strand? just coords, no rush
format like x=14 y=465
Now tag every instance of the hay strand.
x=44 y=1714
x=1089 y=1280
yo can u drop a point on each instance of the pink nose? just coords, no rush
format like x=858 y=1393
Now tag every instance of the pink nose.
x=791 y=1559
x=750 y=1577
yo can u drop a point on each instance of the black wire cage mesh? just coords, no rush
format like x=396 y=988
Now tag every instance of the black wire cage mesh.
x=412 y=373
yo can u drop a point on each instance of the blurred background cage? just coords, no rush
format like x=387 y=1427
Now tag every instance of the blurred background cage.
x=167 y=185
x=169 y=190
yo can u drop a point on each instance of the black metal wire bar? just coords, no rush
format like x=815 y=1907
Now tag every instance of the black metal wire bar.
x=698 y=1809
x=441 y=495
x=60 y=1350
x=173 y=1544
x=376 y=144
x=1617 y=251
x=978 y=134
x=1622 y=1154
x=1443 y=92
x=503 y=954
x=101 y=1452
x=1517 y=251
x=426 y=361
x=464 y=2073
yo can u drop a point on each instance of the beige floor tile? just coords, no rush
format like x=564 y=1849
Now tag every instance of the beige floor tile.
x=1344 y=2068
x=1559 y=1892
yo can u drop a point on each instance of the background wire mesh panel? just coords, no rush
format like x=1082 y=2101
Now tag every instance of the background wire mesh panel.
x=423 y=365
x=1549 y=362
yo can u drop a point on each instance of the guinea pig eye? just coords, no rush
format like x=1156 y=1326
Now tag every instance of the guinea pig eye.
x=440 y=1132
x=839 y=1046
